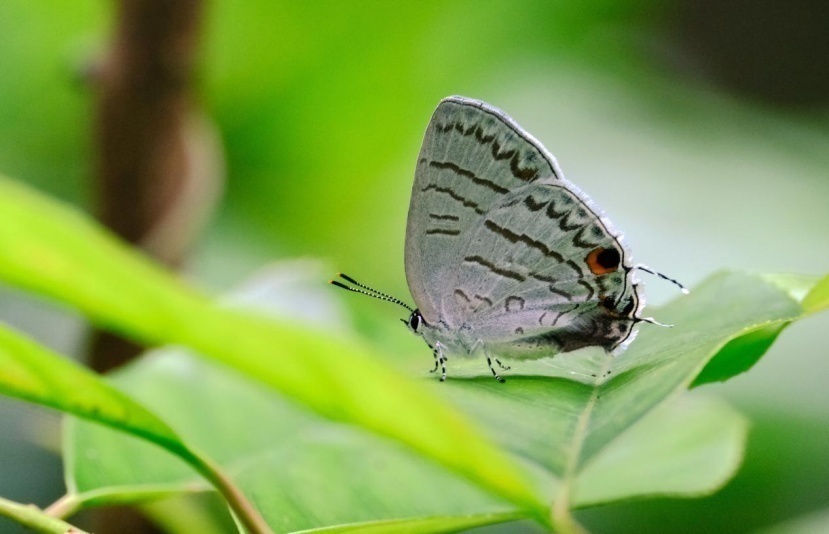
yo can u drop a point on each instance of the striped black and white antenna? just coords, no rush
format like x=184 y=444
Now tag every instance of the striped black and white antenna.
x=648 y=270
x=369 y=291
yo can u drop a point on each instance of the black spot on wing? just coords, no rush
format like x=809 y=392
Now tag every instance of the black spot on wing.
x=609 y=258
x=609 y=303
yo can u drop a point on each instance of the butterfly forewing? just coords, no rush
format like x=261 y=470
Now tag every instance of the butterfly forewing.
x=472 y=157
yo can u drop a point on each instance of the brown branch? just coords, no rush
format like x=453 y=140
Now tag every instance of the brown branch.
x=157 y=168
x=155 y=164
x=143 y=104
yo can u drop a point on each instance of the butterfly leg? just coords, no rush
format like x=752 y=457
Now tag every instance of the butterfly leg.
x=501 y=365
x=440 y=360
x=495 y=374
x=480 y=344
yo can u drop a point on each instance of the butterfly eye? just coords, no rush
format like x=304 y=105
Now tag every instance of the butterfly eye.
x=415 y=320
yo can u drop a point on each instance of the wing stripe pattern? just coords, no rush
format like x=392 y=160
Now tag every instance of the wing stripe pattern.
x=506 y=273
x=526 y=174
x=469 y=174
x=497 y=242
x=465 y=202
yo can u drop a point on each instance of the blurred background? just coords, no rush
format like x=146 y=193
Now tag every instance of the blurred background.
x=221 y=135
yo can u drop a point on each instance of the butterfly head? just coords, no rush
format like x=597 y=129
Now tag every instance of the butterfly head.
x=415 y=323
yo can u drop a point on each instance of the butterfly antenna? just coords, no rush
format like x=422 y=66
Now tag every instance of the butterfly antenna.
x=662 y=276
x=651 y=320
x=369 y=291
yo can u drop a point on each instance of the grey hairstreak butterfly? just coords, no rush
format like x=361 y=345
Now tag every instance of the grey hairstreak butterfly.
x=504 y=257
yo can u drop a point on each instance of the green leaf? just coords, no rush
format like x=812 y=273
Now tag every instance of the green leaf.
x=304 y=472
x=739 y=355
x=818 y=298
x=817 y=521
x=560 y=416
x=337 y=476
x=687 y=447
x=33 y=374
x=567 y=412
x=420 y=526
x=662 y=444
x=796 y=285
x=742 y=352
x=54 y=250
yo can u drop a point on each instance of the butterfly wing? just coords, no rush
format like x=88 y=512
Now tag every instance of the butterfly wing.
x=473 y=155
x=499 y=244
x=543 y=270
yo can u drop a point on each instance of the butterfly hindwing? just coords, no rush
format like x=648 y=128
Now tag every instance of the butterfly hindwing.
x=531 y=267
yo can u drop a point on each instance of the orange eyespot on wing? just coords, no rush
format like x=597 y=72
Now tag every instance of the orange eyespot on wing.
x=603 y=260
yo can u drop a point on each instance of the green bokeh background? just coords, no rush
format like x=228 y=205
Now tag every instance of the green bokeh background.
x=702 y=130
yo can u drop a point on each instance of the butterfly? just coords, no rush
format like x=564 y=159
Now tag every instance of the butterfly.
x=504 y=257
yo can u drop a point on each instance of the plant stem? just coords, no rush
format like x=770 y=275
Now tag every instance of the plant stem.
x=36 y=519
x=563 y=520
x=63 y=507
x=241 y=506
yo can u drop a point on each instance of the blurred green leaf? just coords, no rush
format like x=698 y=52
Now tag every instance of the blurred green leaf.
x=818 y=298
x=33 y=374
x=304 y=472
x=813 y=523
x=796 y=285
x=204 y=513
x=739 y=355
x=51 y=249
x=432 y=525
x=687 y=447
